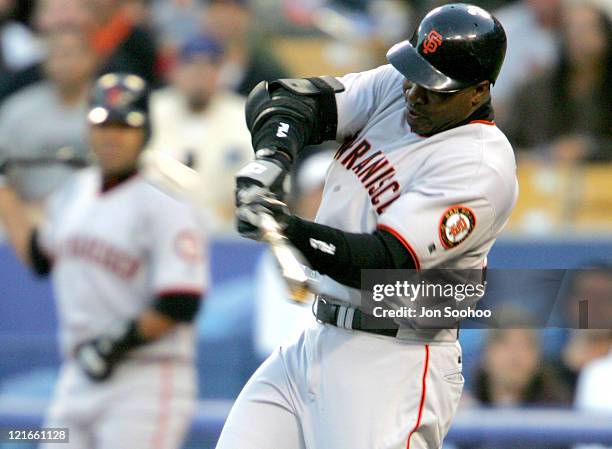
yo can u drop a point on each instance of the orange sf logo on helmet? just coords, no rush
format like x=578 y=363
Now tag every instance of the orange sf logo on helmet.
x=116 y=97
x=433 y=41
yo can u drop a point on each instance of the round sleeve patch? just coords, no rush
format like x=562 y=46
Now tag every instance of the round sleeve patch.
x=456 y=224
x=188 y=246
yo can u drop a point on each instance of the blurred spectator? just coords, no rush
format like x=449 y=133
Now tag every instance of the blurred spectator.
x=39 y=120
x=593 y=287
x=583 y=347
x=248 y=58
x=52 y=15
x=566 y=114
x=139 y=12
x=121 y=44
x=514 y=374
x=277 y=319
x=392 y=20
x=532 y=30
x=176 y=20
x=202 y=124
x=49 y=15
x=594 y=392
x=18 y=46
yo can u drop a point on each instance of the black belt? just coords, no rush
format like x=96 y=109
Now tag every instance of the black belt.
x=351 y=318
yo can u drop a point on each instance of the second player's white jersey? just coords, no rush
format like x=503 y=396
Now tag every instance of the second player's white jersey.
x=114 y=252
x=445 y=197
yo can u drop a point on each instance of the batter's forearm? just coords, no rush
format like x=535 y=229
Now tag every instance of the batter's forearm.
x=153 y=325
x=167 y=312
x=17 y=224
x=342 y=255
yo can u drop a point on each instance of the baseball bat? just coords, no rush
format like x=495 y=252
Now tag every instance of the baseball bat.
x=170 y=173
x=289 y=259
x=178 y=177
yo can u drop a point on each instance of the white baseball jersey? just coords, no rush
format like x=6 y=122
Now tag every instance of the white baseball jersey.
x=445 y=197
x=114 y=252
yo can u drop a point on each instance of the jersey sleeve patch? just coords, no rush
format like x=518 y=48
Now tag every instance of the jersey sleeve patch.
x=188 y=246
x=456 y=224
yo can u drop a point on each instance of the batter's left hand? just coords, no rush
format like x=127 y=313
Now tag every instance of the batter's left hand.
x=96 y=357
x=249 y=214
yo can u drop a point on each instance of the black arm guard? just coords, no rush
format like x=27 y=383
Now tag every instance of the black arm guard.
x=41 y=264
x=347 y=253
x=180 y=307
x=288 y=114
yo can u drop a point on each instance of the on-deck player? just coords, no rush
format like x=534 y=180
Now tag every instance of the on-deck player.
x=422 y=179
x=127 y=265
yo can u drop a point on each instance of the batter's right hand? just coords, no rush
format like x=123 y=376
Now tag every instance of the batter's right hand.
x=249 y=214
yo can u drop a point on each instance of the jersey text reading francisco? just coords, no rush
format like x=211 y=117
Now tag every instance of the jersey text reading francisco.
x=375 y=172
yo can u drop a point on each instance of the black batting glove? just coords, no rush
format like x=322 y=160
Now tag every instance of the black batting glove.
x=99 y=356
x=249 y=214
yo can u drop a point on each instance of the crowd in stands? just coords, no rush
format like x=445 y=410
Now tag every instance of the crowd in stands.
x=201 y=60
x=553 y=100
x=203 y=57
x=569 y=106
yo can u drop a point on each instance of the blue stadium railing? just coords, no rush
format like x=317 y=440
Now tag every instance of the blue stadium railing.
x=471 y=427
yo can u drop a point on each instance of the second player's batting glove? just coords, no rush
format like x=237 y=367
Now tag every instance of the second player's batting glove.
x=96 y=358
x=99 y=356
x=249 y=214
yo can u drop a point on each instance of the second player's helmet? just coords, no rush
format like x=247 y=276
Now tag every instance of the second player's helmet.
x=120 y=98
x=454 y=46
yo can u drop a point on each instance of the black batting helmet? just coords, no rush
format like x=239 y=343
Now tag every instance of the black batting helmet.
x=454 y=46
x=120 y=98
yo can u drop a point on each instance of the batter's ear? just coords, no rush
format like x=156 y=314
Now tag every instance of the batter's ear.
x=481 y=92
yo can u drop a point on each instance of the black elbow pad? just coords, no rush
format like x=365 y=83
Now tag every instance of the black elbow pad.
x=288 y=114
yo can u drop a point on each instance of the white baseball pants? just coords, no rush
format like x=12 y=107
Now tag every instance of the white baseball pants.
x=341 y=389
x=144 y=405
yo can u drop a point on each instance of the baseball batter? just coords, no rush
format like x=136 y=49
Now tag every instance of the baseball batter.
x=126 y=261
x=423 y=179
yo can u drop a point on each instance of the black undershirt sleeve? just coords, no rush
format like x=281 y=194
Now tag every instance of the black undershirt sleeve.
x=181 y=307
x=342 y=255
x=41 y=264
